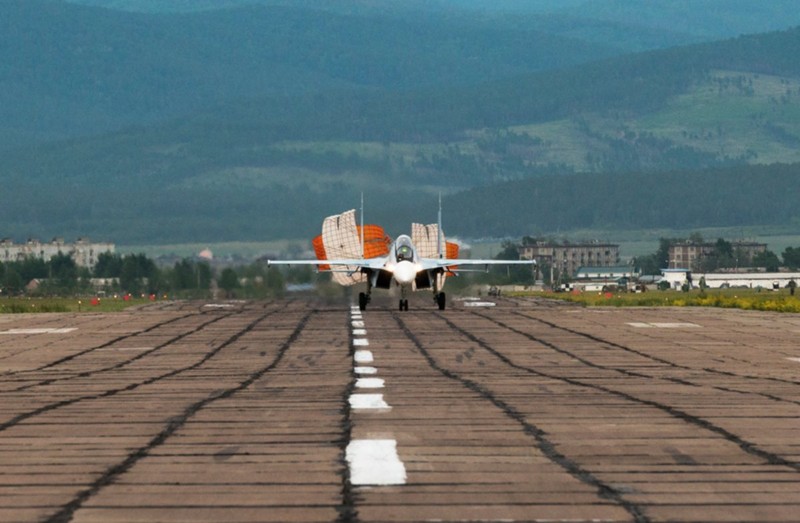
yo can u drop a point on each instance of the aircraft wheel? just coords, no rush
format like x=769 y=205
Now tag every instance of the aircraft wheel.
x=362 y=301
x=403 y=305
x=441 y=301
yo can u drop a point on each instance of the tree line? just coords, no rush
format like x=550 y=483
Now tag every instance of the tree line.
x=139 y=275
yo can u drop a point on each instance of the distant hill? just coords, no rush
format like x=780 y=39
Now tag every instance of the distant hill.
x=626 y=21
x=712 y=19
x=629 y=129
x=691 y=107
x=69 y=70
x=722 y=197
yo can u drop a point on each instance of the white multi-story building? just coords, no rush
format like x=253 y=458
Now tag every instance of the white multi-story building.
x=688 y=254
x=569 y=257
x=83 y=251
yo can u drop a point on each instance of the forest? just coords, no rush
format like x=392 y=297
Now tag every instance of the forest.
x=137 y=274
x=685 y=137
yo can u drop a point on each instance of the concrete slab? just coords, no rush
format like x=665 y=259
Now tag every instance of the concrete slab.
x=526 y=410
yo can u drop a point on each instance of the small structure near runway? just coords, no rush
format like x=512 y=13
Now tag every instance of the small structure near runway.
x=606 y=278
x=677 y=278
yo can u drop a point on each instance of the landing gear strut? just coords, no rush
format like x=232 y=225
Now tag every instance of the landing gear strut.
x=438 y=297
x=441 y=300
x=364 y=298
x=403 y=299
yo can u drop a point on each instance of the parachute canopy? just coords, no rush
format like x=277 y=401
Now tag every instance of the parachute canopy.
x=341 y=238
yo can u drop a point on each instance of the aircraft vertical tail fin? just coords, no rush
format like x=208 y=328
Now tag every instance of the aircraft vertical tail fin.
x=439 y=242
x=362 y=225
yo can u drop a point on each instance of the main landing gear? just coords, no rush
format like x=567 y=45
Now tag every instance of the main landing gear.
x=363 y=299
x=440 y=299
x=438 y=296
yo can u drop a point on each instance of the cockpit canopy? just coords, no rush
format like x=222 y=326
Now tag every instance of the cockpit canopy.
x=404 y=249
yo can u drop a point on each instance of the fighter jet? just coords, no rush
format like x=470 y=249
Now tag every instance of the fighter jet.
x=364 y=254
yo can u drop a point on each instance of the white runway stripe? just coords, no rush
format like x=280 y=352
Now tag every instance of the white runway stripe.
x=375 y=462
x=363 y=356
x=62 y=330
x=676 y=325
x=365 y=370
x=368 y=402
x=369 y=383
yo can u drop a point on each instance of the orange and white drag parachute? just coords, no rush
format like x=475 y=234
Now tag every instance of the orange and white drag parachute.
x=341 y=239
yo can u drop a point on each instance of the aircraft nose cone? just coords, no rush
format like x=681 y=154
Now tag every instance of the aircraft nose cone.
x=405 y=272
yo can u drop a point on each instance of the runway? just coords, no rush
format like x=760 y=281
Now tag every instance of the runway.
x=300 y=410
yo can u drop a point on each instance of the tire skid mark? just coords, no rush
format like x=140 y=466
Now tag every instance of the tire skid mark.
x=747 y=446
x=194 y=310
x=101 y=346
x=176 y=422
x=39 y=347
x=133 y=386
x=545 y=446
x=650 y=357
x=119 y=365
x=584 y=361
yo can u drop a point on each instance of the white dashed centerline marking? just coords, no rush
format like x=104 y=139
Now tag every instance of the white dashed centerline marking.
x=375 y=462
x=372 y=462
x=369 y=383
x=368 y=402
x=363 y=356
x=794 y=359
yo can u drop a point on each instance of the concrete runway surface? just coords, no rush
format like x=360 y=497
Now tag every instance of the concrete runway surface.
x=302 y=410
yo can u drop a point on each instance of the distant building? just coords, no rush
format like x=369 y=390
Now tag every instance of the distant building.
x=598 y=278
x=82 y=251
x=688 y=254
x=569 y=257
x=677 y=278
x=607 y=273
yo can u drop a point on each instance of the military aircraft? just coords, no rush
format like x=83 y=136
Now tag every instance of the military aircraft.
x=364 y=254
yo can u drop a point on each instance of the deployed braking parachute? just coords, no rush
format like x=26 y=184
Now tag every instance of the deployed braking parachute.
x=341 y=239
x=425 y=238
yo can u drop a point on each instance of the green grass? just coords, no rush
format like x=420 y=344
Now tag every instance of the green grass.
x=731 y=122
x=747 y=299
x=39 y=305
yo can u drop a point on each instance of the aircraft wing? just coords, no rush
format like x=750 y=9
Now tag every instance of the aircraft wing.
x=441 y=263
x=350 y=264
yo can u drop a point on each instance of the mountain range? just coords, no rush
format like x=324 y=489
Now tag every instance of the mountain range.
x=141 y=124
